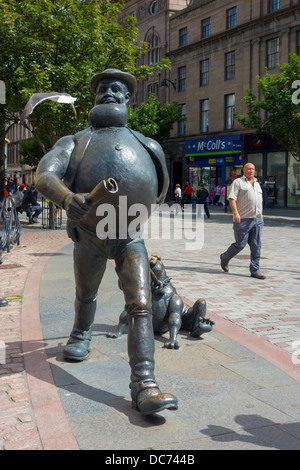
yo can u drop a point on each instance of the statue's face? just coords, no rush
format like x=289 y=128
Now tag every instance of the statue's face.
x=112 y=91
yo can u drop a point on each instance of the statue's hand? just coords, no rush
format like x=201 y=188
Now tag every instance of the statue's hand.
x=76 y=206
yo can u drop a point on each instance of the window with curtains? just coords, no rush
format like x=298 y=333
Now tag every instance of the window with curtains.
x=182 y=78
x=229 y=111
x=231 y=17
x=204 y=72
x=230 y=65
x=272 y=53
x=204 y=110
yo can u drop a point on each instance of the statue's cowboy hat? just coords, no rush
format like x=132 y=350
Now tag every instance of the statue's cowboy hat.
x=116 y=74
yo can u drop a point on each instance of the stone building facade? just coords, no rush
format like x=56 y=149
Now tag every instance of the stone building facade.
x=217 y=48
x=153 y=24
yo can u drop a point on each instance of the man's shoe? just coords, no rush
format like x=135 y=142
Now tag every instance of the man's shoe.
x=79 y=345
x=258 y=276
x=3 y=303
x=148 y=399
x=223 y=265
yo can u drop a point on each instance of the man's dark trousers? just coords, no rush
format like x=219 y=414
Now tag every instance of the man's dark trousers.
x=247 y=231
x=205 y=204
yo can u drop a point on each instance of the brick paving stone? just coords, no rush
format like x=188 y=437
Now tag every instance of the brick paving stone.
x=18 y=430
x=261 y=307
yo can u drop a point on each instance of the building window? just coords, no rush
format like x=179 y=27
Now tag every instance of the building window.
x=272 y=53
x=205 y=28
x=204 y=110
x=229 y=111
x=153 y=88
x=182 y=36
x=153 y=7
x=274 y=5
x=182 y=78
x=231 y=17
x=204 y=72
x=230 y=65
x=153 y=50
x=298 y=43
x=181 y=122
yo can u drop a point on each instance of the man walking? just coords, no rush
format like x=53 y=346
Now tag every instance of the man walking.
x=245 y=200
x=202 y=196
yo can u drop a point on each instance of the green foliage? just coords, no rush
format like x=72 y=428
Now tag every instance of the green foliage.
x=58 y=45
x=276 y=113
x=154 y=120
x=31 y=151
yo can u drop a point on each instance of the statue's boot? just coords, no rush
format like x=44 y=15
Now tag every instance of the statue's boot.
x=79 y=344
x=145 y=393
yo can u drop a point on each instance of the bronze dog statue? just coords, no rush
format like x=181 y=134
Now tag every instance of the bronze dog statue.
x=169 y=311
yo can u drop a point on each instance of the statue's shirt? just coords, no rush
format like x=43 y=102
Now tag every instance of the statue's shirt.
x=114 y=152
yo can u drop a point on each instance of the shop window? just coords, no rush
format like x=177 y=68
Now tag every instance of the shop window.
x=276 y=172
x=257 y=160
x=293 y=190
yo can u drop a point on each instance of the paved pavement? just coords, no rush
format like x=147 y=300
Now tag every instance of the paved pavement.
x=238 y=387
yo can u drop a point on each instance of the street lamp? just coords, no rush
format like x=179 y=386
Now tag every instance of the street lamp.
x=164 y=83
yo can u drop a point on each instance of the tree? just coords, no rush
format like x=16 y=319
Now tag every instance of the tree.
x=154 y=120
x=57 y=46
x=279 y=106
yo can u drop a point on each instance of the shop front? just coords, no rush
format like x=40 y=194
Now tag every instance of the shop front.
x=214 y=161
x=276 y=169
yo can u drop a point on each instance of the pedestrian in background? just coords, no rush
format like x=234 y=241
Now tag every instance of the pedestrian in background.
x=211 y=195
x=188 y=190
x=222 y=196
x=19 y=195
x=266 y=190
x=178 y=198
x=202 y=196
x=30 y=202
x=245 y=199
x=217 y=194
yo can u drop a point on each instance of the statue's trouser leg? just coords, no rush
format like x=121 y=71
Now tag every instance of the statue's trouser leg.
x=89 y=267
x=132 y=266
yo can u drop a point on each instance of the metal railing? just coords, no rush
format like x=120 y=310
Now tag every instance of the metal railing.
x=10 y=226
x=51 y=215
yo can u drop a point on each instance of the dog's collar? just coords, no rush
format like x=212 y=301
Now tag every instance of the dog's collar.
x=159 y=285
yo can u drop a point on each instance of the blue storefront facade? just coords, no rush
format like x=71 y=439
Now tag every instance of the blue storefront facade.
x=213 y=161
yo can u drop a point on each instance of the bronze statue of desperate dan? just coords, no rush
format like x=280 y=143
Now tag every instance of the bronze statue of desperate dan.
x=83 y=173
